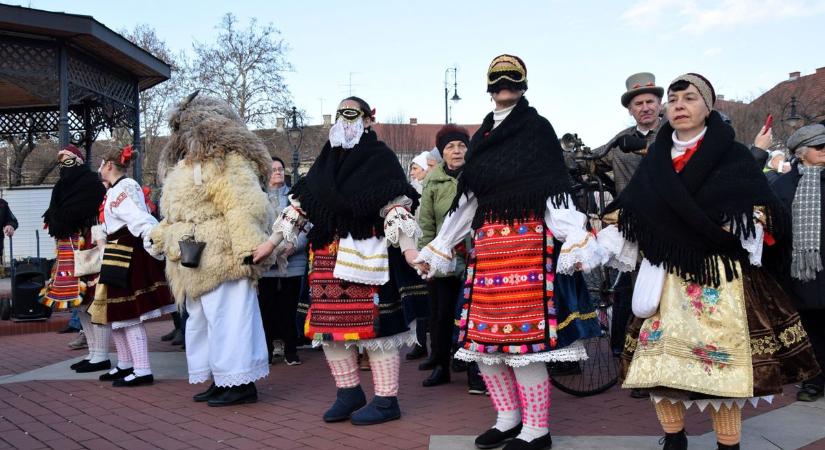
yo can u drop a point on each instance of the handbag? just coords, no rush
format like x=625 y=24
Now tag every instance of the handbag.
x=86 y=262
x=190 y=250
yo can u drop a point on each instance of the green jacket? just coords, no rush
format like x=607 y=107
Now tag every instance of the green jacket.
x=436 y=198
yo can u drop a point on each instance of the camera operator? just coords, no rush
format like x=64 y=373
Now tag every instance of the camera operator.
x=625 y=151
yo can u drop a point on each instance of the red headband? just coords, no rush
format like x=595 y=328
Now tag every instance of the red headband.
x=126 y=155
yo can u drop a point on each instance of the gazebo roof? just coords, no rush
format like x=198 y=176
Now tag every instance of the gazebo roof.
x=88 y=35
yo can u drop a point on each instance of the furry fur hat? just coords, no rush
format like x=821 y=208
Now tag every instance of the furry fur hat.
x=204 y=128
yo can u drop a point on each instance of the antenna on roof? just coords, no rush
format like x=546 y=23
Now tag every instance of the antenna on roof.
x=349 y=84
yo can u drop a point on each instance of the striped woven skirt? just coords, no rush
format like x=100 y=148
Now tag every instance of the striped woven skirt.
x=512 y=307
x=64 y=290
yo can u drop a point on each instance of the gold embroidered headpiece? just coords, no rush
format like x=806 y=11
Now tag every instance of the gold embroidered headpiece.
x=507 y=71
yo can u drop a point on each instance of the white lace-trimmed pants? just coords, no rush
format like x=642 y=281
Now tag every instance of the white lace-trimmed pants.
x=225 y=336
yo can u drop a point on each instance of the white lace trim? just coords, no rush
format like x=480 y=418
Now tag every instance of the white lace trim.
x=200 y=376
x=153 y=314
x=288 y=225
x=238 y=379
x=573 y=352
x=433 y=255
x=406 y=338
x=713 y=403
x=580 y=247
x=400 y=221
x=622 y=254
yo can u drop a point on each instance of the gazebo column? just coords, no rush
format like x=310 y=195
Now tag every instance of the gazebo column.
x=63 y=77
x=138 y=164
x=87 y=133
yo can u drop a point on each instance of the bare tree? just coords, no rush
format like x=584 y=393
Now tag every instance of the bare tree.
x=245 y=67
x=156 y=101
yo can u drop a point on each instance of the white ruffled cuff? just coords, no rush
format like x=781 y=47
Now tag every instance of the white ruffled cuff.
x=399 y=221
x=439 y=257
x=754 y=244
x=288 y=225
x=580 y=248
x=98 y=233
x=622 y=255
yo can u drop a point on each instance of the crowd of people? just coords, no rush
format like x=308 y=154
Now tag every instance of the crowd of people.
x=473 y=258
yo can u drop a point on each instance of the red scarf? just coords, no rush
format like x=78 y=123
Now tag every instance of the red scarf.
x=681 y=161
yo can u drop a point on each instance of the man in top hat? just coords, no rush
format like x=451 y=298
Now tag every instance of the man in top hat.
x=623 y=153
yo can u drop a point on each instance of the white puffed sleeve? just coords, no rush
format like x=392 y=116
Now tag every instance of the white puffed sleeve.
x=400 y=227
x=579 y=246
x=439 y=253
x=622 y=254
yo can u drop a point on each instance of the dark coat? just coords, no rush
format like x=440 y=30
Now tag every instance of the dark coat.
x=810 y=294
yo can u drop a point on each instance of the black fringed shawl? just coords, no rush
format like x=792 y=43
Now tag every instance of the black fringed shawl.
x=345 y=190
x=677 y=218
x=75 y=202
x=514 y=168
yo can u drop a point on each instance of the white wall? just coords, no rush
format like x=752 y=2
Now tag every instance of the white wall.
x=28 y=204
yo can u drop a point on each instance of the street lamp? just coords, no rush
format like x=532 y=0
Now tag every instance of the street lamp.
x=455 y=97
x=794 y=119
x=294 y=136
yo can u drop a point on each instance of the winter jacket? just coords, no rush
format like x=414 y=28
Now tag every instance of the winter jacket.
x=297 y=262
x=810 y=294
x=622 y=164
x=436 y=198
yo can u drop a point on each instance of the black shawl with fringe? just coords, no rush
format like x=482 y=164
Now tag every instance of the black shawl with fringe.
x=75 y=202
x=514 y=168
x=678 y=218
x=345 y=189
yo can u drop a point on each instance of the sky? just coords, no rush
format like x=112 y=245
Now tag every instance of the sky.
x=578 y=53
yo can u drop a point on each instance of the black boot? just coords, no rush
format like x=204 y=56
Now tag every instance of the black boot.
x=674 y=441
x=440 y=375
x=475 y=382
x=213 y=391
x=542 y=443
x=418 y=352
x=380 y=410
x=727 y=447
x=494 y=437
x=236 y=395
x=347 y=401
x=169 y=336
x=178 y=339
x=428 y=364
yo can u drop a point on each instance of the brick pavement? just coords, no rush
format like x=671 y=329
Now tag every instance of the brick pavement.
x=91 y=414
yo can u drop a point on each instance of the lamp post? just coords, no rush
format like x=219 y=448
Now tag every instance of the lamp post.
x=294 y=136
x=455 y=97
x=794 y=118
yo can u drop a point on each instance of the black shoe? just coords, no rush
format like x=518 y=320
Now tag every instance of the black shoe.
x=459 y=366
x=639 y=393
x=418 y=352
x=68 y=329
x=493 y=437
x=169 y=336
x=209 y=393
x=379 y=410
x=136 y=381
x=178 y=339
x=94 y=367
x=236 y=395
x=78 y=364
x=440 y=375
x=428 y=364
x=674 y=441
x=810 y=392
x=292 y=359
x=121 y=373
x=543 y=443
x=727 y=447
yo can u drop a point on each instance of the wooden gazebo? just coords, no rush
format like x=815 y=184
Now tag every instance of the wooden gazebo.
x=70 y=77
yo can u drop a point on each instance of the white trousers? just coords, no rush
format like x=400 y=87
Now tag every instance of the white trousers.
x=225 y=336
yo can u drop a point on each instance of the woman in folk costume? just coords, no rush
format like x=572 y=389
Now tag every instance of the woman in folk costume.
x=70 y=219
x=712 y=328
x=359 y=203
x=215 y=194
x=131 y=288
x=513 y=195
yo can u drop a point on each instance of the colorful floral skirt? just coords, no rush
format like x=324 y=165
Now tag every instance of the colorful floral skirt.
x=511 y=305
x=64 y=290
x=147 y=290
x=741 y=340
